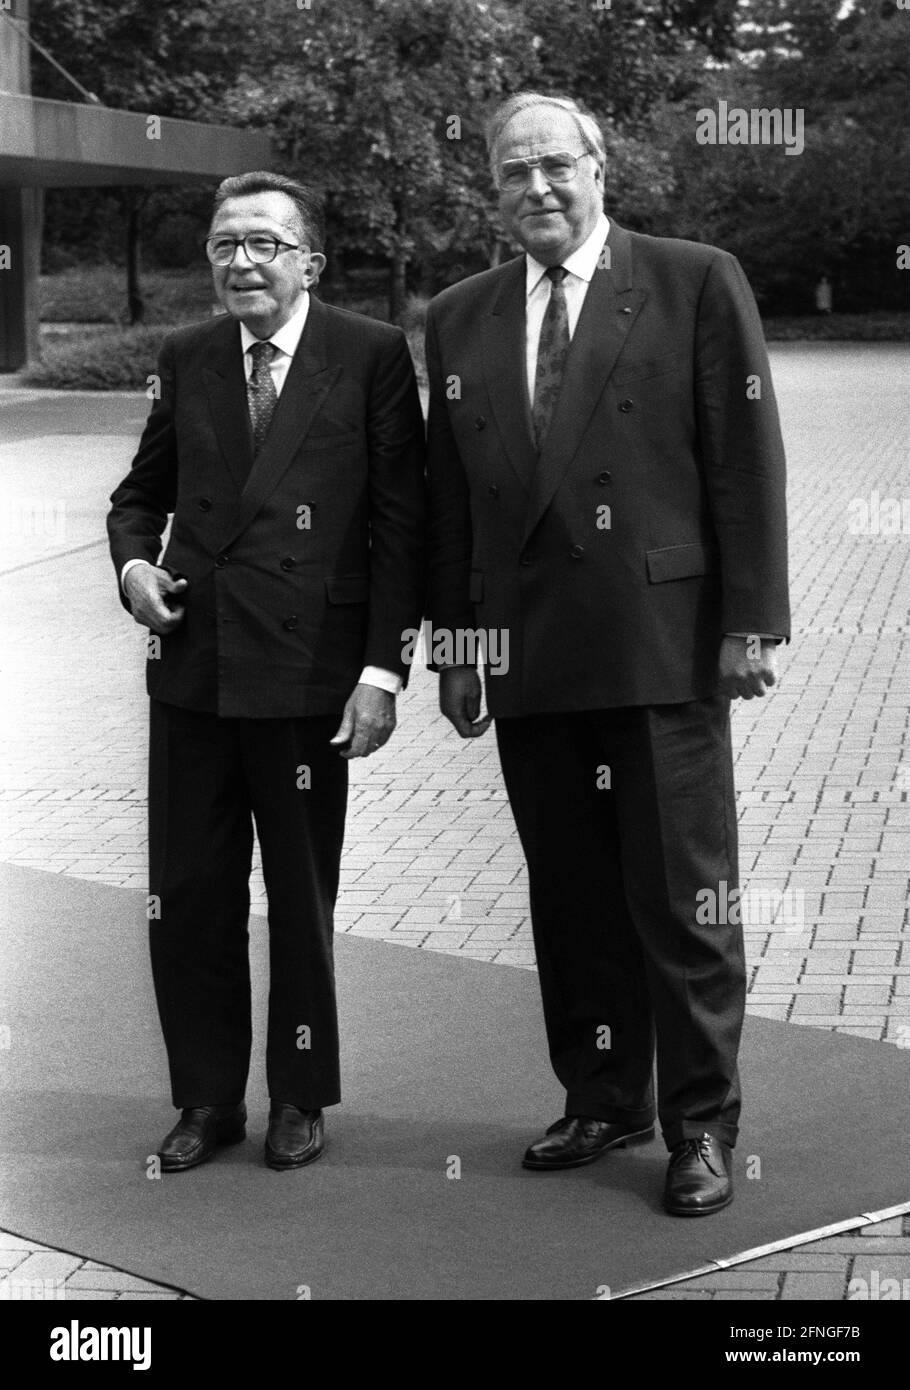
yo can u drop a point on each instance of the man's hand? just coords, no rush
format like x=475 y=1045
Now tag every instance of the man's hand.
x=459 y=699
x=146 y=587
x=744 y=672
x=368 y=721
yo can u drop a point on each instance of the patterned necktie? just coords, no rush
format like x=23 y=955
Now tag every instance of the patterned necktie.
x=552 y=351
x=261 y=393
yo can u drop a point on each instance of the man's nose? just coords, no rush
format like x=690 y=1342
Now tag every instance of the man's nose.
x=240 y=252
x=538 y=183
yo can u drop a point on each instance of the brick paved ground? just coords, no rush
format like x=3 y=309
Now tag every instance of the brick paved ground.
x=823 y=768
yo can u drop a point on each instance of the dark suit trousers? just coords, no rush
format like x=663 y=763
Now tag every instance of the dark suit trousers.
x=208 y=779
x=615 y=873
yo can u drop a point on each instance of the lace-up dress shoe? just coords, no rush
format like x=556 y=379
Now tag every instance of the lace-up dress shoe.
x=200 y=1130
x=578 y=1139
x=295 y=1136
x=698 y=1179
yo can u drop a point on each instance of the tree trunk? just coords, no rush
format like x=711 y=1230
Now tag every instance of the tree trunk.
x=398 y=263
x=398 y=266
x=134 y=301
x=334 y=275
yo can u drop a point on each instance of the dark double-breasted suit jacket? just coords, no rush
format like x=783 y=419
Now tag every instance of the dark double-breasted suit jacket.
x=305 y=565
x=653 y=521
x=609 y=568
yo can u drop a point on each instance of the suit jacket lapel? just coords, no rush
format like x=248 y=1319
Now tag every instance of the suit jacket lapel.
x=505 y=370
x=225 y=384
x=308 y=382
x=611 y=307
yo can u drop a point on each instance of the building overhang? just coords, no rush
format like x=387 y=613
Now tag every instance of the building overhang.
x=48 y=144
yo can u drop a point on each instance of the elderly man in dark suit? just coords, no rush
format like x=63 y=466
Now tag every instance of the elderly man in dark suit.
x=607 y=489
x=287 y=441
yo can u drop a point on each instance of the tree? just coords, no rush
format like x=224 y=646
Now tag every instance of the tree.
x=842 y=206
x=382 y=102
x=169 y=59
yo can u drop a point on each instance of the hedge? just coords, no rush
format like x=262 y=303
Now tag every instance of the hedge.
x=119 y=360
x=123 y=359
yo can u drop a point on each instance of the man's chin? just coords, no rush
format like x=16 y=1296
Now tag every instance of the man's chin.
x=543 y=244
x=249 y=307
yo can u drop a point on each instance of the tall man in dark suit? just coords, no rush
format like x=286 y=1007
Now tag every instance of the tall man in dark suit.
x=607 y=488
x=287 y=441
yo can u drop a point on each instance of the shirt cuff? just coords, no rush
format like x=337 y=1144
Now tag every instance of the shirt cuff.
x=383 y=680
x=130 y=564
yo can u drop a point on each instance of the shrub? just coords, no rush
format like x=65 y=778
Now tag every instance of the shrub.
x=82 y=294
x=97 y=294
x=880 y=327
x=119 y=360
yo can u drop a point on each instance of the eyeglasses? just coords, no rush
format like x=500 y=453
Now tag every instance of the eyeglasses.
x=560 y=167
x=258 y=248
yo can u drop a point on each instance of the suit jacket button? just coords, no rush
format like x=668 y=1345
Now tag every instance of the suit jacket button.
x=480 y=422
x=604 y=477
x=493 y=490
x=221 y=561
x=288 y=562
x=577 y=551
x=525 y=559
x=290 y=623
x=205 y=504
x=626 y=405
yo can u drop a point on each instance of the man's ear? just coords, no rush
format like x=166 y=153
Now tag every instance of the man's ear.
x=315 y=267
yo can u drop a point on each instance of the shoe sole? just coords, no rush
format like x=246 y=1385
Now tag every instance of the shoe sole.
x=640 y=1136
x=698 y=1211
x=236 y=1137
x=281 y=1164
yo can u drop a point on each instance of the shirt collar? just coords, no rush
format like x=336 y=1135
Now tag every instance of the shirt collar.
x=582 y=262
x=287 y=339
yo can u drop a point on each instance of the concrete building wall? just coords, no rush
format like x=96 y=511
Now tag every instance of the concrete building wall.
x=20 y=216
x=68 y=144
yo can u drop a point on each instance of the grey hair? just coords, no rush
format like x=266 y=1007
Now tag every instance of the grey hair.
x=588 y=129
x=309 y=205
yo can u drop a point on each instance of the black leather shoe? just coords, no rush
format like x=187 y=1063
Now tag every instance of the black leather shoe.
x=295 y=1136
x=698 y=1179
x=578 y=1139
x=199 y=1132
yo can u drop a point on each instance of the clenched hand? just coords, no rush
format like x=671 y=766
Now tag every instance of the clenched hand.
x=745 y=676
x=367 y=722
x=459 y=699
x=146 y=587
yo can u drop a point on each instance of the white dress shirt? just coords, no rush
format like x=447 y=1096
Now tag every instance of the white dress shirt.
x=286 y=341
x=581 y=266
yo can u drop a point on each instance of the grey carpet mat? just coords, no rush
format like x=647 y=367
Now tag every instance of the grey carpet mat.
x=443 y=1059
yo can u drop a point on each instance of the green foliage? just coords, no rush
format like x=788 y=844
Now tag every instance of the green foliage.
x=880 y=327
x=120 y=360
x=170 y=58
x=94 y=294
x=842 y=207
x=382 y=102
x=363 y=98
